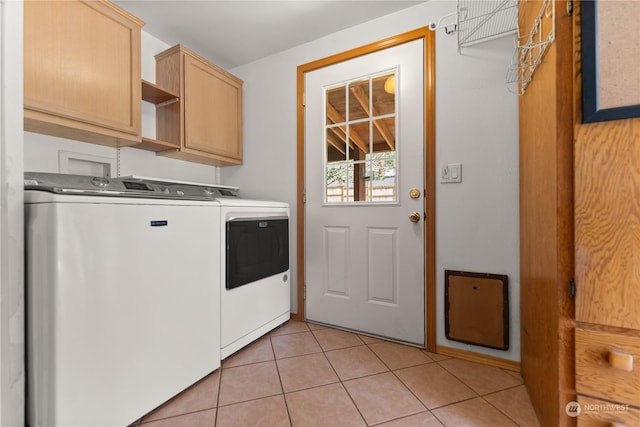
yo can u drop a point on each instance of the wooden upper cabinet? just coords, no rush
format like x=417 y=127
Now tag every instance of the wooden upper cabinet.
x=82 y=71
x=208 y=119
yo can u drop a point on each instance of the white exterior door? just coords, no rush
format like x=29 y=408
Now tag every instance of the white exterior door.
x=364 y=142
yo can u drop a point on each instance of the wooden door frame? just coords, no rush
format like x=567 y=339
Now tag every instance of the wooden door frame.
x=428 y=37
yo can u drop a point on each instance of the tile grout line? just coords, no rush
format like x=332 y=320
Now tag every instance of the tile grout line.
x=431 y=410
x=341 y=382
x=407 y=387
x=398 y=418
x=215 y=421
x=393 y=372
x=368 y=345
x=284 y=396
x=467 y=385
x=499 y=410
x=139 y=422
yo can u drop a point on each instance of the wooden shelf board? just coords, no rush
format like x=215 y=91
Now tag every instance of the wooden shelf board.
x=155 y=94
x=156 y=145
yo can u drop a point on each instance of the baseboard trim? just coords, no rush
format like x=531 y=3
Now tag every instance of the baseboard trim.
x=478 y=357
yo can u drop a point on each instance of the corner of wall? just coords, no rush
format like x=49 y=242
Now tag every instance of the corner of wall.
x=12 y=327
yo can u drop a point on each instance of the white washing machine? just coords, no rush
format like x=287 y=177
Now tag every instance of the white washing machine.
x=123 y=296
x=255 y=276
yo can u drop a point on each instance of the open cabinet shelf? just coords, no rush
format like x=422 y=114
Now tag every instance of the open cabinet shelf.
x=160 y=97
x=156 y=145
x=154 y=94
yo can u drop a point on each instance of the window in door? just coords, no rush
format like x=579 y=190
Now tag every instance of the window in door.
x=360 y=140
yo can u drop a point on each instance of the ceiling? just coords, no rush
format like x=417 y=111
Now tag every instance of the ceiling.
x=233 y=33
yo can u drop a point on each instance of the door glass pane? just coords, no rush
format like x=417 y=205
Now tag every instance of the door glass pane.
x=384 y=134
x=358 y=183
x=335 y=145
x=383 y=177
x=384 y=89
x=359 y=100
x=360 y=140
x=359 y=135
x=336 y=180
x=335 y=101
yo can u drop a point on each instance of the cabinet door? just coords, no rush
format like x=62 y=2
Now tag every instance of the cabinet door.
x=82 y=71
x=212 y=110
x=607 y=223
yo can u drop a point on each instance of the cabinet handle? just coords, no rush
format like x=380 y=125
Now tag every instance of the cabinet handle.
x=620 y=360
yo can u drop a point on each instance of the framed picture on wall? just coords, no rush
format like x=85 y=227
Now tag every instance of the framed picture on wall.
x=610 y=60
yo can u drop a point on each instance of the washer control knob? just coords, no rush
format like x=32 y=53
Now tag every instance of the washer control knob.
x=100 y=181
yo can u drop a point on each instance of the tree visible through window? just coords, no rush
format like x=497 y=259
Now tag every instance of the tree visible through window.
x=360 y=140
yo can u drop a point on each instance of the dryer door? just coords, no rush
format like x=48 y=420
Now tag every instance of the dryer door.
x=256 y=248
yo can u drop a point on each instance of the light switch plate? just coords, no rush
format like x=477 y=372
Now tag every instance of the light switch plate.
x=451 y=173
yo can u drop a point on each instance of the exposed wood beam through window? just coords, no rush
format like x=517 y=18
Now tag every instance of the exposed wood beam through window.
x=336 y=117
x=363 y=100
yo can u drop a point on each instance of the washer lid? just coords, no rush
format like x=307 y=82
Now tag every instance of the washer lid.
x=121 y=187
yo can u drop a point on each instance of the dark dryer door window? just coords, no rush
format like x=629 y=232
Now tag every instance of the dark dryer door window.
x=256 y=248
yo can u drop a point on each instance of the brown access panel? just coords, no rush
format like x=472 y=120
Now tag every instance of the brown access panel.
x=477 y=308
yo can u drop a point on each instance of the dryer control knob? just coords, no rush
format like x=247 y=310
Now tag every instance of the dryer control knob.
x=100 y=181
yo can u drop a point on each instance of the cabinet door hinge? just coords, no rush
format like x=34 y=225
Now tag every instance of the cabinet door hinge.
x=572 y=288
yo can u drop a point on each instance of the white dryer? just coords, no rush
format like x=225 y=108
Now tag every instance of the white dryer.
x=255 y=296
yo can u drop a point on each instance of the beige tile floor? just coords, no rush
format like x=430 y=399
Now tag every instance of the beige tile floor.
x=307 y=375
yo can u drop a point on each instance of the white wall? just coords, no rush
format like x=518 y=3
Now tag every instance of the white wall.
x=12 y=350
x=476 y=124
x=41 y=152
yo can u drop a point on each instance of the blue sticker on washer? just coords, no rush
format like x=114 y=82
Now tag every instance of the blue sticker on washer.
x=162 y=223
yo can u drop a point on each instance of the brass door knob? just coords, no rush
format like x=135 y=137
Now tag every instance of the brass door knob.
x=414 y=217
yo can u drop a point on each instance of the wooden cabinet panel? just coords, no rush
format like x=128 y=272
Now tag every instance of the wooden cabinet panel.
x=546 y=225
x=598 y=352
x=82 y=71
x=207 y=123
x=607 y=224
x=212 y=110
